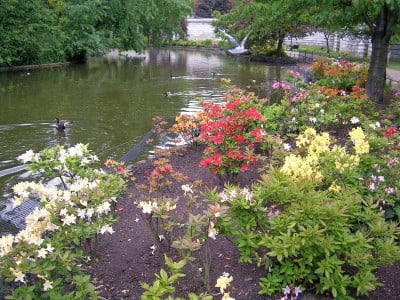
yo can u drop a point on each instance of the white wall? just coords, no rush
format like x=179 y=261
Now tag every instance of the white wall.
x=200 y=29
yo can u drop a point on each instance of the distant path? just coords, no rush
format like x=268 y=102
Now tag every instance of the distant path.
x=393 y=74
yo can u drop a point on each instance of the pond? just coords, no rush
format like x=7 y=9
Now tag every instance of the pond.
x=111 y=101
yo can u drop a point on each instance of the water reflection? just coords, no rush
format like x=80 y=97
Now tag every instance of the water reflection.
x=112 y=100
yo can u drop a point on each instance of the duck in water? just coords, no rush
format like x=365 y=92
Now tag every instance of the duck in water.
x=61 y=124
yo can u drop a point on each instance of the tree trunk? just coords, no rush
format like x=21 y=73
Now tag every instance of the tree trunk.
x=381 y=33
x=328 y=49
x=377 y=69
x=279 y=48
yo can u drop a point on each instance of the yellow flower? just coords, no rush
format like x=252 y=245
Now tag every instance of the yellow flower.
x=334 y=188
x=226 y=296
x=223 y=282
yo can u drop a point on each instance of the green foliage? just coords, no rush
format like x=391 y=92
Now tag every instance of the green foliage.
x=38 y=31
x=43 y=260
x=333 y=241
x=164 y=283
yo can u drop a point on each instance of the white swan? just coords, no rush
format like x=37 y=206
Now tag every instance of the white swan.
x=239 y=48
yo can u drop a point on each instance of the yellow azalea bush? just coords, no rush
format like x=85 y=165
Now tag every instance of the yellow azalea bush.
x=42 y=259
x=318 y=152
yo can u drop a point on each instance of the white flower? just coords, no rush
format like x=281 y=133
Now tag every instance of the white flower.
x=313 y=119
x=147 y=206
x=153 y=249
x=322 y=111
x=89 y=212
x=136 y=220
x=63 y=212
x=49 y=248
x=212 y=232
x=294 y=119
x=6 y=243
x=47 y=285
x=223 y=196
x=354 y=120
x=77 y=150
x=106 y=228
x=19 y=276
x=69 y=219
x=381 y=178
x=317 y=105
x=28 y=156
x=161 y=237
x=287 y=146
x=42 y=252
x=103 y=208
x=81 y=213
x=187 y=189
x=233 y=193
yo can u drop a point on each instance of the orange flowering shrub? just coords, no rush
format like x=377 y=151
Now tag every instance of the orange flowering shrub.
x=188 y=127
x=341 y=74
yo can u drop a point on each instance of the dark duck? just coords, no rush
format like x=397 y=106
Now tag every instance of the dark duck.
x=61 y=124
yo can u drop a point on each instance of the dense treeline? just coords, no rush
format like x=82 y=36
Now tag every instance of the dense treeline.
x=41 y=31
x=205 y=8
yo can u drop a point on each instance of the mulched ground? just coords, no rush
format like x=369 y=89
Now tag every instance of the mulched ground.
x=124 y=259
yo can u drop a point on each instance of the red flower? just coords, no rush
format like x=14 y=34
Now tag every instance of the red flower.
x=253 y=113
x=390 y=131
x=244 y=167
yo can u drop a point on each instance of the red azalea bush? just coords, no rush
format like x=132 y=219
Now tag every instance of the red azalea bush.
x=230 y=132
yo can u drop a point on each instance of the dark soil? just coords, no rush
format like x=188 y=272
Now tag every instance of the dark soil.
x=124 y=259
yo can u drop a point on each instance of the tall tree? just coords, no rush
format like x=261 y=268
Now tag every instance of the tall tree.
x=380 y=17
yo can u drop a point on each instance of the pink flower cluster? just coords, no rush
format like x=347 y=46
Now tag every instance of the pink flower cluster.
x=282 y=85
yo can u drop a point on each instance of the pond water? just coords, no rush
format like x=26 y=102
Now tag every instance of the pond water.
x=111 y=101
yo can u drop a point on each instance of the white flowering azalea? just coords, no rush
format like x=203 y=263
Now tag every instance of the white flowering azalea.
x=47 y=285
x=77 y=150
x=146 y=206
x=42 y=253
x=51 y=227
x=81 y=213
x=49 y=248
x=103 y=208
x=89 y=213
x=187 y=189
x=287 y=146
x=19 y=276
x=354 y=120
x=212 y=232
x=69 y=219
x=6 y=244
x=63 y=155
x=233 y=193
x=106 y=228
x=28 y=156
x=223 y=196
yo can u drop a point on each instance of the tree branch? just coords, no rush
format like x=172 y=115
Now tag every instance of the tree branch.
x=367 y=20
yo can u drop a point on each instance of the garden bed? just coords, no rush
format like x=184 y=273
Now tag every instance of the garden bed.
x=124 y=259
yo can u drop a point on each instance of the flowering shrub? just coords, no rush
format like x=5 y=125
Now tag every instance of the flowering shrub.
x=188 y=127
x=303 y=235
x=341 y=74
x=319 y=107
x=42 y=259
x=230 y=133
